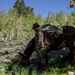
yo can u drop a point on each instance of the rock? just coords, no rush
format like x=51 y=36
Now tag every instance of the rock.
x=70 y=73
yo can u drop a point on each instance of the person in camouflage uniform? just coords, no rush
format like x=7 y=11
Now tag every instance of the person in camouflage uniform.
x=42 y=43
x=38 y=37
x=41 y=54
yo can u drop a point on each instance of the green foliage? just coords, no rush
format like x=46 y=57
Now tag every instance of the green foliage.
x=13 y=27
x=34 y=71
x=29 y=10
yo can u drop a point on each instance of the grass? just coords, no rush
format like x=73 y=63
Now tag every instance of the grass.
x=4 y=64
x=32 y=70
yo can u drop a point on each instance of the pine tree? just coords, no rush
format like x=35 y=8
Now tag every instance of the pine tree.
x=20 y=7
x=22 y=10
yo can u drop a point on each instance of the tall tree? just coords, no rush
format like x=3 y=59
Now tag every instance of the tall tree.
x=22 y=9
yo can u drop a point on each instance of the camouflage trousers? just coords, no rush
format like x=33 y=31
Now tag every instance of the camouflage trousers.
x=42 y=57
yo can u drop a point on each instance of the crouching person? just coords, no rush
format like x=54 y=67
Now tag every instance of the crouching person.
x=39 y=40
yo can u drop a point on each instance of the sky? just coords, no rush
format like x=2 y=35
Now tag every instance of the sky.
x=42 y=7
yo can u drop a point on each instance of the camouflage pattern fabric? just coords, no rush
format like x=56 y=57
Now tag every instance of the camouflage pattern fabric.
x=39 y=36
x=39 y=40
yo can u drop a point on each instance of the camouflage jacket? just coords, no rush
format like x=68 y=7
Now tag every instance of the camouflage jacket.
x=39 y=36
x=39 y=40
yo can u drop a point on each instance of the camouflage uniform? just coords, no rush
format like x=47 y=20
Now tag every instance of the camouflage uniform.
x=39 y=40
x=39 y=36
x=41 y=54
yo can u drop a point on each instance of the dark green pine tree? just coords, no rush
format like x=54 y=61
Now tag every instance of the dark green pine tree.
x=20 y=7
x=22 y=10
